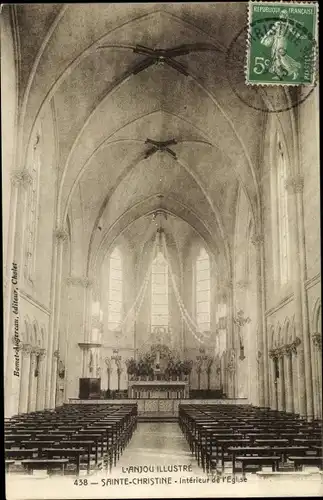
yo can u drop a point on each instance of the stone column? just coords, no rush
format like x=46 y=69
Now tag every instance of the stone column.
x=89 y=353
x=274 y=360
x=281 y=381
x=76 y=359
x=317 y=362
x=20 y=180
x=295 y=381
x=226 y=323
x=24 y=380
x=32 y=382
x=41 y=379
x=262 y=347
x=60 y=235
x=288 y=379
x=298 y=252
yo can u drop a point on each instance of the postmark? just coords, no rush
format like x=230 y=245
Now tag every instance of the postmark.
x=281 y=43
x=277 y=96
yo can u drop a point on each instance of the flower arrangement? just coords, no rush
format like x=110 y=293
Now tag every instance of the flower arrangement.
x=187 y=366
x=131 y=367
x=144 y=367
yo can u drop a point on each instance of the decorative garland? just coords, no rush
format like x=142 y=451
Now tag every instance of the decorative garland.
x=193 y=327
x=141 y=294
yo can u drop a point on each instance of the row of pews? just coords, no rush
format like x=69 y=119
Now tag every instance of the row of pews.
x=69 y=439
x=250 y=437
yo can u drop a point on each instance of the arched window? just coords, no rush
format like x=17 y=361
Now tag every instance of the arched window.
x=282 y=214
x=159 y=292
x=202 y=291
x=32 y=211
x=115 y=290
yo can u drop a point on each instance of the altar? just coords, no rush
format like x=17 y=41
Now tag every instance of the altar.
x=158 y=389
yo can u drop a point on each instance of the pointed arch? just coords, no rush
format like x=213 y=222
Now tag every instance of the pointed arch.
x=317 y=317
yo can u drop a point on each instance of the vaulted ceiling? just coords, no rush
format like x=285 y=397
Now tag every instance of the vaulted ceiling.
x=145 y=117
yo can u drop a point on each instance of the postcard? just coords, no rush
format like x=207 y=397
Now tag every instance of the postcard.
x=161 y=250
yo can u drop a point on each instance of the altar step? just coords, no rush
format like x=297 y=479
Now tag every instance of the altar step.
x=157 y=416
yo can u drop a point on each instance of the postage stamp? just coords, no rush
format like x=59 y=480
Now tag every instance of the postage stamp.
x=281 y=43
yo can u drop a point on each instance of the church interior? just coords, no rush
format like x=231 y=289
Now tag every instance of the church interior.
x=161 y=245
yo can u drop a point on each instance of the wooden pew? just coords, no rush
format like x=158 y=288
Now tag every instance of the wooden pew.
x=40 y=445
x=8 y=464
x=225 y=446
x=307 y=442
x=18 y=438
x=21 y=453
x=300 y=462
x=86 y=443
x=271 y=442
x=97 y=437
x=45 y=464
x=273 y=461
x=73 y=454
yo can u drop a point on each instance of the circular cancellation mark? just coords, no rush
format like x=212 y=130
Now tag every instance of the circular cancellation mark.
x=263 y=97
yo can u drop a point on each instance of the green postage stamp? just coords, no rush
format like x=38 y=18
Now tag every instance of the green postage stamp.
x=282 y=43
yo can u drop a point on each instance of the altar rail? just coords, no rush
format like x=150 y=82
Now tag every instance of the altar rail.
x=169 y=406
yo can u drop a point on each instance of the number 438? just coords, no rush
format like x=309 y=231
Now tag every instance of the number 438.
x=260 y=65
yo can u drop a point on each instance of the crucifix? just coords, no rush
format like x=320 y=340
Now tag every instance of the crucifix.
x=240 y=321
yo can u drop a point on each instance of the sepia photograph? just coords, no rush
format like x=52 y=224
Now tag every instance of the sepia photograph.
x=161 y=250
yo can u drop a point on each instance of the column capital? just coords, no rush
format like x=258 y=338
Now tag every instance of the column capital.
x=295 y=184
x=21 y=178
x=39 y=352
x=60 y=234
x=287 y=349
x=82 y=281
x=295 y=344
x=277 y=352
x=42 y=353
x=257 y=239
x=317 y=340
x=26 y=349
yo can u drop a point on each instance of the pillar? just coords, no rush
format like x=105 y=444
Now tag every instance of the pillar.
x=281 y=382
x=288 y=379
x=273 y=379
x=76 y=360
x=295 y=382
x=24 y=380
x=41 y=379
x=32 y=382
x=298 y=253
x=20 y=180
x=59 y=236
x=317 y=370
x=262 y=348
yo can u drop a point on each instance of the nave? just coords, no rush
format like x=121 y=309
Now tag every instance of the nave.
x=161 y=247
